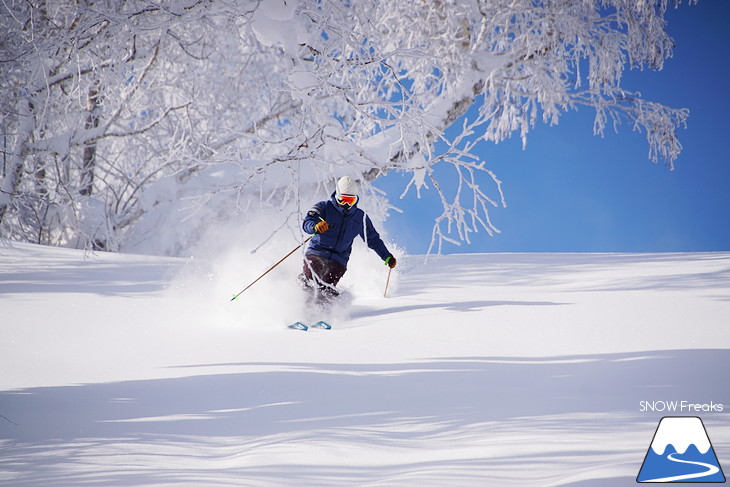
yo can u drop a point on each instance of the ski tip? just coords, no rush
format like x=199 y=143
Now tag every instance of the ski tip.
x=322 y=325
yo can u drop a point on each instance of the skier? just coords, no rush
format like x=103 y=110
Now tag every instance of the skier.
x=335 y=223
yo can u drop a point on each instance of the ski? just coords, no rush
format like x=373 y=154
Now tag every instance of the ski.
x=320 y=325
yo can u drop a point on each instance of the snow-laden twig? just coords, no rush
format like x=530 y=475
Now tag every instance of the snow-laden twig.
x=240 y=106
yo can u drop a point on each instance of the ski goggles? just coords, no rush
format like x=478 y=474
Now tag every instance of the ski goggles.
x=346 y=199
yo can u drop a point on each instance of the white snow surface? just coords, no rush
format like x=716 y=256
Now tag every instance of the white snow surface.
x=476 y=370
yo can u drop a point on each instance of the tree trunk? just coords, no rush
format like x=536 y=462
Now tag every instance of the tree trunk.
x=15 y=152
x=89 y=157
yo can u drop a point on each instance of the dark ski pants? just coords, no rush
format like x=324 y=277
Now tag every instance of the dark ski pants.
x=321 y=275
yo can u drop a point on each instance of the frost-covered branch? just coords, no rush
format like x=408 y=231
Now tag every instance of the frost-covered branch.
x=135 y=115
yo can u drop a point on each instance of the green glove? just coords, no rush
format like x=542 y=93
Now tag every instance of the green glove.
x=390 y=261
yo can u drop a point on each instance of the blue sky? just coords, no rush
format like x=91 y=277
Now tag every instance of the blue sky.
x=571 y=191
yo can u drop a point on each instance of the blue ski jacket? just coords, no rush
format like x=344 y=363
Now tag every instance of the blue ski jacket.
x=344 y=225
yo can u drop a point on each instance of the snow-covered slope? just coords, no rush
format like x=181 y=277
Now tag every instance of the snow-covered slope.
x=504 y=369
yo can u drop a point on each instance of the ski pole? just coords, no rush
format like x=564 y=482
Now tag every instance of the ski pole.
x=272 y=267
x=387 y=281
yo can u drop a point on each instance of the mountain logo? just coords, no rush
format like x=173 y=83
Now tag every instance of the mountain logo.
x=681 y=452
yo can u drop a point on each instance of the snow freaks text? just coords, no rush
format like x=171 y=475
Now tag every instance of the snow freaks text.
x=687 y=407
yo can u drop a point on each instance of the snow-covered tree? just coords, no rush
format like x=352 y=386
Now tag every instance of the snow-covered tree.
x=115 y=113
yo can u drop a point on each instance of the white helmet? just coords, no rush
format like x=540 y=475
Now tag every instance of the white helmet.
x=346 y=186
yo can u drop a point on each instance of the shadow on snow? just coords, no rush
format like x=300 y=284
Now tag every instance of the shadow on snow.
x=319 y=402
